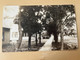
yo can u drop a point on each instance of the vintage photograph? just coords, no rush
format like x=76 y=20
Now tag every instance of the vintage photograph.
x=39 y=28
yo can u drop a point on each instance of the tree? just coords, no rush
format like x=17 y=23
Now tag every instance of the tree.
x=53 y=18
x=61 y=18
x=28 y=21
x=17 y=20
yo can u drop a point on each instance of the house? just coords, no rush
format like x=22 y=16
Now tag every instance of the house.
x=7 y=30
x=10 y=30
x=6 y=35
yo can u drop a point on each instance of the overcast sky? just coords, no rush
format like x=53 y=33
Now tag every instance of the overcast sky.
x=9 y=13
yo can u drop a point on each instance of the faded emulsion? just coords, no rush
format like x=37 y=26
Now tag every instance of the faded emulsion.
x=39 y=28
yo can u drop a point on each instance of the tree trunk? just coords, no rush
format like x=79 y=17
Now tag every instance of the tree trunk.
x=40 y=38
x=36 y=40
x=29 y=43
x=20 y=35
x=62 y=40
x=56 y=37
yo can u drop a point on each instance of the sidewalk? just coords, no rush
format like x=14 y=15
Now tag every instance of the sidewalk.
x=48 y=45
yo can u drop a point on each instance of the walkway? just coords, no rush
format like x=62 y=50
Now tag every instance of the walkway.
x=48 y=45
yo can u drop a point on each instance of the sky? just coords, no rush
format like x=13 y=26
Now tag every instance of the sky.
x=9 y=13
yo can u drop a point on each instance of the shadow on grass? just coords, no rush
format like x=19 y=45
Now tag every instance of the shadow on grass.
x=57 y=46
x=12 y=48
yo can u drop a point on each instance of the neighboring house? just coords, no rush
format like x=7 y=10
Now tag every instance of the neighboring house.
x=6 y=31
x=10 y=30
x=10 y=33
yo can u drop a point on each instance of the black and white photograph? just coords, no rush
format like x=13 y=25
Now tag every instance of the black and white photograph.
x=39 y=28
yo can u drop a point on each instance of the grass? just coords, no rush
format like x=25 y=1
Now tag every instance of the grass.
x=24 y=47
x=57 y=46
x=70 y=43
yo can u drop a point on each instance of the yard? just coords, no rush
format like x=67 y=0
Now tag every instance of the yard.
x=70 y=43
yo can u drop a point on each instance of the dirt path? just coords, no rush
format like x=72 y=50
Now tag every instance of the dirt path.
x=48 y=45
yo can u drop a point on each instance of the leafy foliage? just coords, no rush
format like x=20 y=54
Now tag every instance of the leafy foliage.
x=29 y=21
x=58 y=13
x=51 y=17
